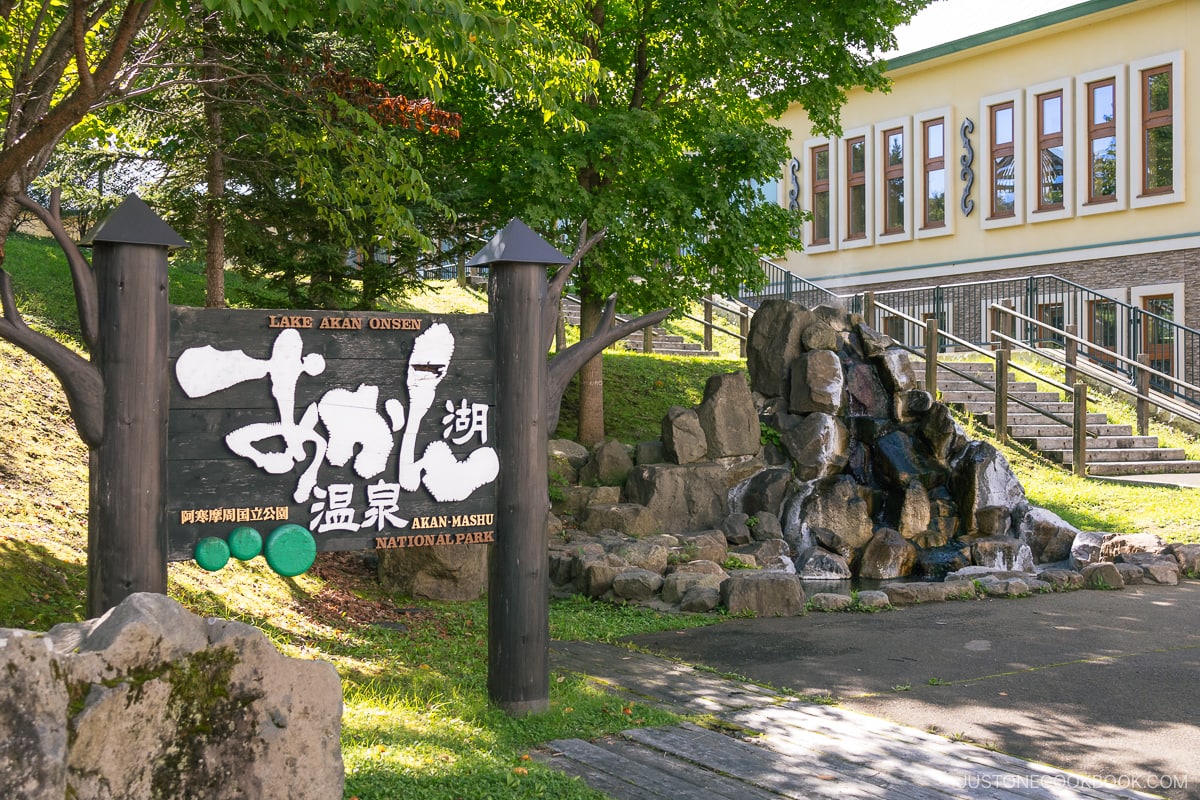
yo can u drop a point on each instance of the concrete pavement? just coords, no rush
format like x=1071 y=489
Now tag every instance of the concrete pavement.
x=1102 y=683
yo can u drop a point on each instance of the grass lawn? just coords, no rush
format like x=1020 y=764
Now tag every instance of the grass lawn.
x=417 y=723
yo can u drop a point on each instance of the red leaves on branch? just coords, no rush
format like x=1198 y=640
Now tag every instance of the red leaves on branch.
x=384 y=107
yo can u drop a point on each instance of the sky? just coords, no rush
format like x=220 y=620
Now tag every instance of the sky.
x=947 y=20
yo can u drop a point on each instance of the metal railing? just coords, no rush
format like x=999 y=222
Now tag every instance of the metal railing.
x=1111 y=334
x=1143 y=390
x=996 y=351
x=781 y=283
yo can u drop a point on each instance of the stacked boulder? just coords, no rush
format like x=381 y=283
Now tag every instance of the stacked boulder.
x=829 y=463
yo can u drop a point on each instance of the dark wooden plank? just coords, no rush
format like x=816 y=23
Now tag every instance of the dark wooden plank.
x=198 y=433
x=469 y=379
x=615 y=786
x=712 y=784
x=792 y=777
x=250 y=330
x=646 y=780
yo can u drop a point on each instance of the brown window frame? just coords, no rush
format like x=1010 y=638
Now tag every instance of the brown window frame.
x=855 y=179
x=1099 y=131
x=1047 y=141
x=892 y=172
x=931 y=165
x=997 y=151
x=1155 y=119
x=820 y=186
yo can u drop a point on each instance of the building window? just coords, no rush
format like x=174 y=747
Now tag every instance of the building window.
x=1003 y=164
x=1158 y=333
x=1102 y=141
x=1053 y=315
x=856 y=188
x=934 y=170
x=1158 y=131
x=820 y=194
x=1050 y=151
x=893 y=180
x=1102 y=329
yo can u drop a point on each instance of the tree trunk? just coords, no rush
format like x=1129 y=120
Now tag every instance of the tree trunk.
x=591 y=377
x=214 y=262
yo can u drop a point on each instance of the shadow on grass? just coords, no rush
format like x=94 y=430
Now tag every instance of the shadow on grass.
x=38 y=590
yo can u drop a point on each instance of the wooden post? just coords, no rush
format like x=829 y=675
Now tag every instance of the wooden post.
x=1079 y=431
x=744 y=330
x=931 y=356
x=127 y=534
x=1002 y=395
x=1143 y=390
x=1071 y=355
x=708 y=325
x=518 y=580
x=869 y=310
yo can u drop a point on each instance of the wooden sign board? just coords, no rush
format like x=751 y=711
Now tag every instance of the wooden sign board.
x=369 y=430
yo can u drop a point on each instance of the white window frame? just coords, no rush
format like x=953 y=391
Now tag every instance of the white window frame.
x=1083 y=151
x=986 y=221
x=946 y=113
x=906 y=130
x=806 y=184
x=1176 y=195
x=867 y=132
x=1032 y=135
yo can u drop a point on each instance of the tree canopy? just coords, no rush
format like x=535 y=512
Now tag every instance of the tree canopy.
x=678 y=140
x=327 y=121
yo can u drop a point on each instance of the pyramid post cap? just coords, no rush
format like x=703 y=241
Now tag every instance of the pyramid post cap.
x=518 y=243
x=133 y=222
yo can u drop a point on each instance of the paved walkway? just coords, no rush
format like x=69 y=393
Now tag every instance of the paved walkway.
x=766 y=745
x=1100 y=683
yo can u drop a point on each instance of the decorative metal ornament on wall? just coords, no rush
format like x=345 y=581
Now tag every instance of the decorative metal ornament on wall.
x=794 y=190
x=967 y=159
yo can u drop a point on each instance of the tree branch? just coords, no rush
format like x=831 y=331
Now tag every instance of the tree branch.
x=80 y=380
x=86 y=300
x=557 y=283
x=564 y=365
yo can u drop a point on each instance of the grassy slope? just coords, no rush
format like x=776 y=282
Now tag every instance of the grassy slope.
x=417 y=724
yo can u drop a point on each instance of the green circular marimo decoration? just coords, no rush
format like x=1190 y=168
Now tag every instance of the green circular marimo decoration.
x=245 y=543
x=212 y=553
x=290 y=550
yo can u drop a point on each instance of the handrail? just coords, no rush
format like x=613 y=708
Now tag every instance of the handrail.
x=1134 y=330
x=987 y=353
x=715 y=327
x=1092 y=347
x=1098 y=372
x=621 y=318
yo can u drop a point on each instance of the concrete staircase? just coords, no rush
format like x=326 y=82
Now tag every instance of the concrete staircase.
x=663 y=343
x=1113 y=450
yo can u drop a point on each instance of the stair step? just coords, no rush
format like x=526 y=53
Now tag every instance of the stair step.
x=1138 y=455
x=979 y=395
x=1116 y=469
x=1014 y=387
x=1029 y=419
x=1047 y=443
x=1050 y=429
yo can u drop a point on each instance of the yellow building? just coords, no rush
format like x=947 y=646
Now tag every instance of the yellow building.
x=1057 y=146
